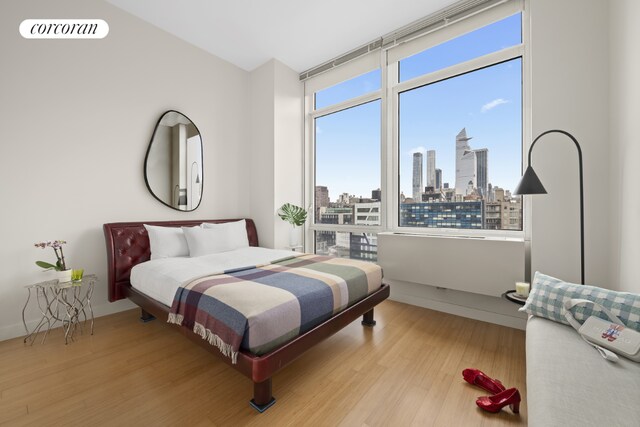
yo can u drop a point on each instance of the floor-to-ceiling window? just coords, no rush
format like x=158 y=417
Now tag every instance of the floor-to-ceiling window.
x=346 y=135
x=459 y=131
x=424 y=134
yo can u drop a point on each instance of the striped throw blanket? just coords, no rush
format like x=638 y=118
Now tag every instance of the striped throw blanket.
x=260 y=307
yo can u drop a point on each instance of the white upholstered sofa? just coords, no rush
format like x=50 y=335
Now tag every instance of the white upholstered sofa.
x=570 y=384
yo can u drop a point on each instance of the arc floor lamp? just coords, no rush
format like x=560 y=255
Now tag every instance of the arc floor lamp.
x=530 y=184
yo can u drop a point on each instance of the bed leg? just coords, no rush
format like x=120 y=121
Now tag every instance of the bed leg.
x=367 y=318
x=146 y=316
x=262 y=397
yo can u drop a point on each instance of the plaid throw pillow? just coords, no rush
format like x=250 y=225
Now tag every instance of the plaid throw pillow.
x=548 y=295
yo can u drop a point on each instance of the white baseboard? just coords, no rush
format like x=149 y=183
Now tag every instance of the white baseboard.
x=17 y=329
x=465 y=304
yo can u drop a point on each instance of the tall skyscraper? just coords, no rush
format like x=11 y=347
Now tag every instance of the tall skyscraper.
x=466 y=164
x=322 y=196
x=431 y=168
x=482 y=171
x=417 y=176
x=322 y=199
x=438 y=179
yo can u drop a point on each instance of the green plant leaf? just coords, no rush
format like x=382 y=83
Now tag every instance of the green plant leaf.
x=46 y=265
x=294 y=215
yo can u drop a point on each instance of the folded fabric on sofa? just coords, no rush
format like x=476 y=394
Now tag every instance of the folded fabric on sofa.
x=549 y=294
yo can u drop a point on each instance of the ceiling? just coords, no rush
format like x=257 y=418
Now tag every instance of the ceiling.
x=299 y=33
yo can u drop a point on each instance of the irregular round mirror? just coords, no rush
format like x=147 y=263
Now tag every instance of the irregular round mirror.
x=173 y=165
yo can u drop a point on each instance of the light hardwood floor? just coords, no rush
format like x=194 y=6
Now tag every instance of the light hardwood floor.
x=404 y=371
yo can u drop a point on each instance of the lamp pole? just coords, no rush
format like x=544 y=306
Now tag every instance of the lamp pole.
x=530 y=177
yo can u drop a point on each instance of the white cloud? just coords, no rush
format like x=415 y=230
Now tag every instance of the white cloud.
x=493 y=104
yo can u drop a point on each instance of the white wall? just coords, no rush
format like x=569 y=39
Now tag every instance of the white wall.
x=484 y=266
x=569 y=91
x=77 y=116
x=262 y=210
x=625 y=173
x=288 y=158
x=276 y=148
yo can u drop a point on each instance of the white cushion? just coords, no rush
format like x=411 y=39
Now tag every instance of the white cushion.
x=215 y=238
x=166 y=242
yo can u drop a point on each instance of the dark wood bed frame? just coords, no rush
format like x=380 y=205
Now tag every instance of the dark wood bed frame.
x=128 y=245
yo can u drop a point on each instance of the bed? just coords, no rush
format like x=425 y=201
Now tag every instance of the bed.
x=128 y=245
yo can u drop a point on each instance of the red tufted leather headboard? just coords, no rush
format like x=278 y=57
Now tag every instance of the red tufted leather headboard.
x=128 y=245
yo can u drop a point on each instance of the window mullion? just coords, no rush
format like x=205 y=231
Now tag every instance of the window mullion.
x=462 y=68
x=354 y=102
x=385 y=129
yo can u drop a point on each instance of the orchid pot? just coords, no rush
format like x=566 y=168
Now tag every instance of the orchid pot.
x=64 y=275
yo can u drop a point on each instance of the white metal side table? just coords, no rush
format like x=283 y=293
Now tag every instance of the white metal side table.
x=64 y=302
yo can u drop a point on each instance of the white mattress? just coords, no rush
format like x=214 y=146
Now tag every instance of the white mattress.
x=160 y=278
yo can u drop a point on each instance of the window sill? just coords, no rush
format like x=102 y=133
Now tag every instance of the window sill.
x=458 y=235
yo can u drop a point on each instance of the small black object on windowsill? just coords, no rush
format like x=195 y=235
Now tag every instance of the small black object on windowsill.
x=514 y=297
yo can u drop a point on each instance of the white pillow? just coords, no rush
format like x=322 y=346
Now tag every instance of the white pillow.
x=166 y=242
x=215 y=238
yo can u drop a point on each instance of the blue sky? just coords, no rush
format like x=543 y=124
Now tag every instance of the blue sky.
x=487 y=102
x=348 y=150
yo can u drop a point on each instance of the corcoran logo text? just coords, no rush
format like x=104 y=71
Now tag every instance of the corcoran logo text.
x=64 y=29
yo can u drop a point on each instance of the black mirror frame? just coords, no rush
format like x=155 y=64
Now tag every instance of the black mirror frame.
x=146 y=158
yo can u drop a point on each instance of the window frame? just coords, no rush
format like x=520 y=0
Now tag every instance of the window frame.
x=387 y=59
x=311 y=165
x=393 y=208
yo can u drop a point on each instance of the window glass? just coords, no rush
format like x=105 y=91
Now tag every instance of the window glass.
x=347 y=166
x=357 y=86
x=460 y=145
x=488 y=39
x=363 y=246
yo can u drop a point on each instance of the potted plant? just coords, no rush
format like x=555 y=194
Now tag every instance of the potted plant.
x=64 y=273
x=296 y=216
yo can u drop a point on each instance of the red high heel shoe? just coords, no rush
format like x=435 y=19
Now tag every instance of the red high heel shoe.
x=498 y=401
x=482 y=380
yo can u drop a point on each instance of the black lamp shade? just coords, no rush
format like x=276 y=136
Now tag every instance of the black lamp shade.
x=530 y=184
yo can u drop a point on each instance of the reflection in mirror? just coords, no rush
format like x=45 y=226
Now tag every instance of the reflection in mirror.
x=173 y=165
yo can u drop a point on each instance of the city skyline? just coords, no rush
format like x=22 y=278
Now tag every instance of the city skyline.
x=472 y=172
x=487 y=102
x=498 y=210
